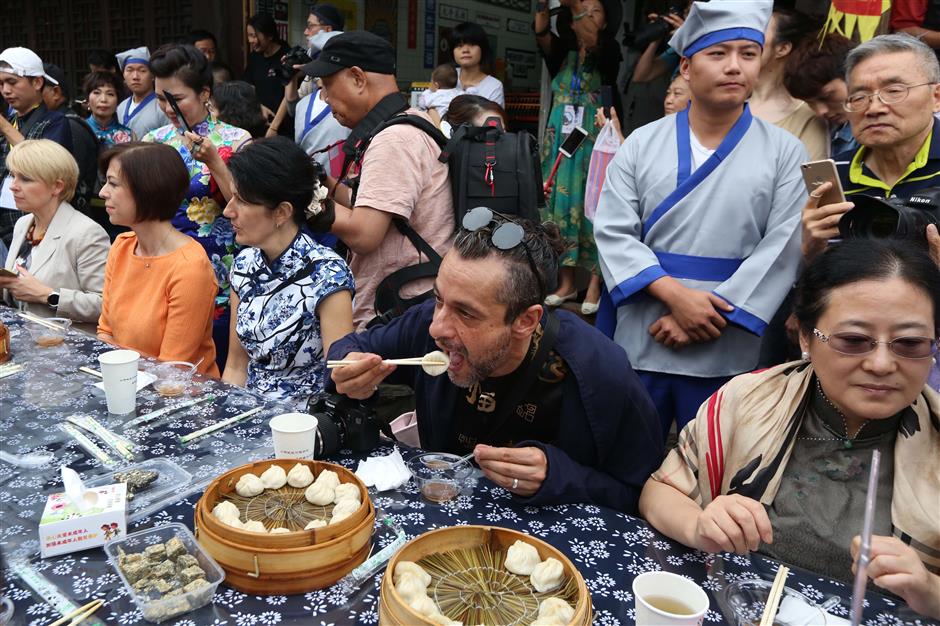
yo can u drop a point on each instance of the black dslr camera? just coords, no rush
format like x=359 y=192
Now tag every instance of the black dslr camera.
x=343 y=423
x=895 y=218
x=295 y=56
x=645 y=34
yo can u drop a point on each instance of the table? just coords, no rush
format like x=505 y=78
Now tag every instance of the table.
x=609 y=548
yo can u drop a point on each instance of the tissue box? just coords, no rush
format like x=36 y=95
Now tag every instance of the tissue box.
x=64 y=528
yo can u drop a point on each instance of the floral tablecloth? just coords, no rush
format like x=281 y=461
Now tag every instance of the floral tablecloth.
x=609 y=548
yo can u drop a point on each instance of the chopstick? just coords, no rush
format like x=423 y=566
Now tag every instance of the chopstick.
x=78 y=615
x=89 y=446
x=8 y=369
x=410 y=361
x=864 y=554
x=773 y=600
x=88 y=370
x=120 y=445
x=219 y=425
x=40 y=321
x=149 y=417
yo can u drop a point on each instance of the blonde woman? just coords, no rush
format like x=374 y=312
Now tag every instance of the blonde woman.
x=58 y=254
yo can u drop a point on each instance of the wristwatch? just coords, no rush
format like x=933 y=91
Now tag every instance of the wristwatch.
x=53 y=299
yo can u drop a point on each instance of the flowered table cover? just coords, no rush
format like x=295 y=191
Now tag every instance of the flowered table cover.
x=609 y=548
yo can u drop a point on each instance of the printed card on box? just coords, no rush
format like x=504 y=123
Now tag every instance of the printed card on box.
x=64 y=528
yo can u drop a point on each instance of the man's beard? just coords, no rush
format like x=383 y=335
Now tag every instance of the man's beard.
x=481 y=368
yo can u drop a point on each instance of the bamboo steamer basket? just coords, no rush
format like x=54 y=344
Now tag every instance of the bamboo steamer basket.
x=287 y=563
x=394 y=611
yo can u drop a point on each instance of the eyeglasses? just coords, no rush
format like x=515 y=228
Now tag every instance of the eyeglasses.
x=506 y=236
x=856 y=344
x=891 y=94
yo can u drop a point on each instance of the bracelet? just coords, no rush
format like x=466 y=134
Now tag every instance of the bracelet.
x=579 y=16
x=543 y=32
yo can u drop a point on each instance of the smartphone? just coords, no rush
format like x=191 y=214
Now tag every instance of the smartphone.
x=573 y=141
x=607 y=99
x=176 y=109
x=815 y=173
x=7 y=273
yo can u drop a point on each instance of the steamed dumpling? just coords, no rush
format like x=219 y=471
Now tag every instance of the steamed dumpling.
x=234 y=522
x=346 y=491
x=319 y=493
x=328 y=477
x=274 y=477
x=410 y=567
x=423 y=604
x=547 y=575
x=225 y=509
x=299 y=476
x=410 y=587
x=346 y=507
x=248 y=486
x=255 y=526
x=279 y=530
x=555 y=611
x=521 y=558
x=317 y=523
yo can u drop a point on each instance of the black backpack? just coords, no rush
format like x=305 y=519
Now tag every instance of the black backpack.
x=487 y=167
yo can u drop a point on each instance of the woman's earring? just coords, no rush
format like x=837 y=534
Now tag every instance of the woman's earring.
x=805 y=356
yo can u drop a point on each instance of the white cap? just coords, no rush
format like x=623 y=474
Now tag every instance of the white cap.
x=139 y=55
x=23 y=62
x=711 y=23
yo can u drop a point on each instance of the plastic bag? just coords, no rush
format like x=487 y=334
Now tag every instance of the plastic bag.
x=605 y=147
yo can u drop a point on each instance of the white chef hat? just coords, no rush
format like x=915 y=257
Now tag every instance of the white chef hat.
x=134 y=55
x=711 y=23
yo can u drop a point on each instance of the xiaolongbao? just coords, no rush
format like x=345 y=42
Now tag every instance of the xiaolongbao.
x=555 y=611
x=410 y=587
x=410 y=567
x=234 y=522
x=521 y=558
x=317 y=523
x=423 y=604
x=225 y=509
x=279 y=530
x=274 y=477
x=248 y=486
x=255 y=526
x=320 y=494
x=547 y=575
x=345 y=491
x=328 y=477
x=346 y=507
x=299 y=476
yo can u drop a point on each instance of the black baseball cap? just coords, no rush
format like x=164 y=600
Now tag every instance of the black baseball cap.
x=357 y=48
x=57 y=74
x=328 y=15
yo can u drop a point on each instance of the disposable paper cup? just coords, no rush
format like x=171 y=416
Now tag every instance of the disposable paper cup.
x=119 y=374
x=668 y=587
x=295 y=435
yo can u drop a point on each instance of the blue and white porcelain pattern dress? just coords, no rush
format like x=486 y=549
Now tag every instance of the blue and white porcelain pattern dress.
x=277 y=321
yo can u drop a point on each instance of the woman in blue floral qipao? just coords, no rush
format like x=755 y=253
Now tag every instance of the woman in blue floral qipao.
x=183 y=72
x=291 y=297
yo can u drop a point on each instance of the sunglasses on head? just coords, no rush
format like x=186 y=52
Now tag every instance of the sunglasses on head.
x=506 y=236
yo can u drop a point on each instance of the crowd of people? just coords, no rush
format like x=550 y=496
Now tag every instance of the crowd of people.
x=255 y=227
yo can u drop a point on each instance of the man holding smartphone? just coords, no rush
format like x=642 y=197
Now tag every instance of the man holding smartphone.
x=698 y=223
x=893 y=94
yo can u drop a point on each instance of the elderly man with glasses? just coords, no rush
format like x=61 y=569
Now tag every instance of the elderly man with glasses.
x=893 y=94
x=549 y=407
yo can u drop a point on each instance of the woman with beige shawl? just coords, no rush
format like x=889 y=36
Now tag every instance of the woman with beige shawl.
x=778 y=460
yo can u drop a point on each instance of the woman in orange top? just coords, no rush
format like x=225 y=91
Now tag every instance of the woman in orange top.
x=159 y=287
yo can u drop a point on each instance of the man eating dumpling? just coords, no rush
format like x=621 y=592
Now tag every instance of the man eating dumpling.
x=550 y=408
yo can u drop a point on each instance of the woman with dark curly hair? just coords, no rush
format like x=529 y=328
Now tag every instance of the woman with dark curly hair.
x=183 y=72
x=236 y=103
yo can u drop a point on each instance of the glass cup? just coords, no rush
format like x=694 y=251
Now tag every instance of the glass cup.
x=173 y=377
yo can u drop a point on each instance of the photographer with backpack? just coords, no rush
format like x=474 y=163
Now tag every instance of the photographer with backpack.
x=393 y=181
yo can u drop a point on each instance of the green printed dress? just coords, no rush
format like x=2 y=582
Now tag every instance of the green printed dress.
x=578 y=86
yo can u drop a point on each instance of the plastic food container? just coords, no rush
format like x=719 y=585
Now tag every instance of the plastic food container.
x=169 y=486
x=747 y=599
x=153 y=606
x=172 y=377
x=440 y=476
x=46 y=336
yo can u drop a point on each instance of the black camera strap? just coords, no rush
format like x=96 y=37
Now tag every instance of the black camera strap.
x=508 y=405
